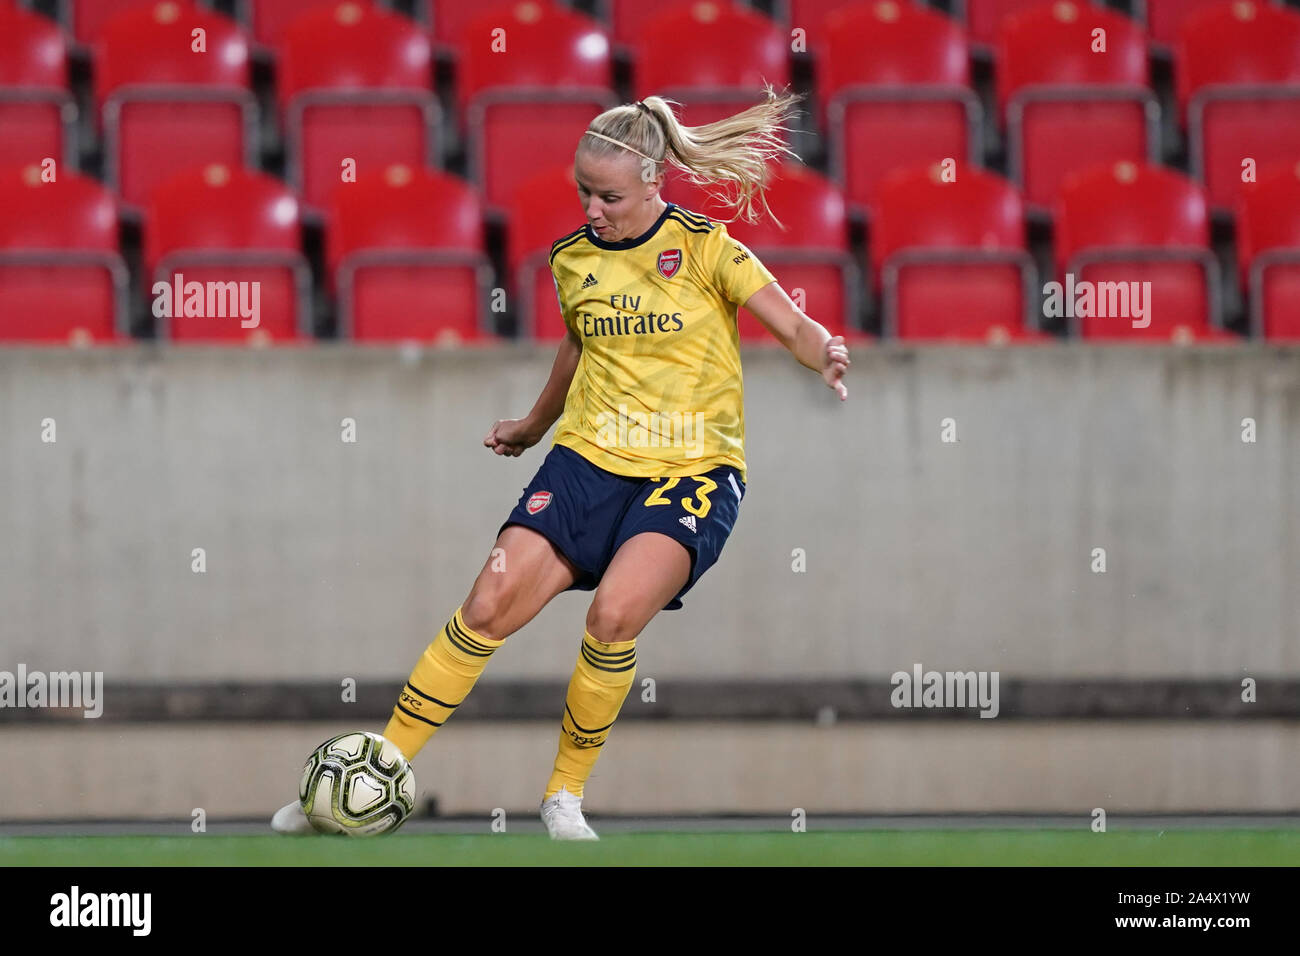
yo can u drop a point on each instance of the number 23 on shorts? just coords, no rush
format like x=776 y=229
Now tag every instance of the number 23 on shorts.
x=700 y=509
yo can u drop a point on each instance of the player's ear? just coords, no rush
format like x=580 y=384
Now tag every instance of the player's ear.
x=652 y=177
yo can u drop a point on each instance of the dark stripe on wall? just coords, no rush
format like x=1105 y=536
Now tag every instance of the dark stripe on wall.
x=689 y=700
x=799 y=701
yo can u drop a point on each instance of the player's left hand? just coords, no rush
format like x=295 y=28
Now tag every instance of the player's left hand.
x=834 y=363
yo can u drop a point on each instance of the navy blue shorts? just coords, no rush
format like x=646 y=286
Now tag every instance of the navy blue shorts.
x=587 y=513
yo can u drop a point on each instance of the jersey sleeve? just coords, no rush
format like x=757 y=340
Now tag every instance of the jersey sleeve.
x=737 y=272
x=559 y=297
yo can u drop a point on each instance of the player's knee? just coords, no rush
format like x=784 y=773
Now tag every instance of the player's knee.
x=482 y=611
x=610 y=623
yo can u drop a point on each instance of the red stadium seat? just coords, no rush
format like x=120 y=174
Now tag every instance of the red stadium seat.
x=37 y=113
x=545 y=93
x=165 y=107
x=810 y=15
x=710 y=57
x=355 y=83
x=951 y=256
x=230 y=230
x=810 y=259
x=1268 y=249
x=895 y=81
x=984 y=17
x=61 y=277
x=627 y=18
x=269 y=19
x=1164 y=18
x=450 y=18
x=1125 y=223
x=1238 y=69
x=86 y=18
x=544 y=208
x=406 y=247
x=1067 y=106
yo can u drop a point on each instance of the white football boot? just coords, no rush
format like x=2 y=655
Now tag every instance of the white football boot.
x=290 y=819
x=562 y=814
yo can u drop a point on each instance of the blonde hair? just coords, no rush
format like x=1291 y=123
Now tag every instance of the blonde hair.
x=733 y=152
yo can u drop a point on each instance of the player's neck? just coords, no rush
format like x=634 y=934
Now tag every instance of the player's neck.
x=657 y=208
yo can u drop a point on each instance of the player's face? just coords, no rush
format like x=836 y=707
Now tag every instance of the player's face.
x=618 y=203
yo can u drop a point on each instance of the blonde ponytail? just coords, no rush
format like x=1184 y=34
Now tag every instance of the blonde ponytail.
x=733 y=152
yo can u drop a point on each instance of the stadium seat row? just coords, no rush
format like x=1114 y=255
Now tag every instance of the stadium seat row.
x=405 y=256
x=624 y=20
x=893 y=87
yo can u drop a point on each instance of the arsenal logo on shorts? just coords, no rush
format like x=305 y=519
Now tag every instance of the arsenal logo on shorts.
x=670 y=261
x=538 y=501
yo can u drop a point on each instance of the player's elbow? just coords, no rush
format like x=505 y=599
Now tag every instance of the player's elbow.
x=792 y=326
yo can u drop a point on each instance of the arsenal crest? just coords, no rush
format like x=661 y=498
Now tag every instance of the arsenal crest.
x=670 y=260
x=538 y=501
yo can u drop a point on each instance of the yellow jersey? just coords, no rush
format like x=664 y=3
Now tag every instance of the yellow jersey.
x=658 y=389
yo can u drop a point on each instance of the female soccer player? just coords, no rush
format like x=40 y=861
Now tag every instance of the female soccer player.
x=644 y=480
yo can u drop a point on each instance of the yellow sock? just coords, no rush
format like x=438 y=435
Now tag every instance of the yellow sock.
x=597 y=689
x=442 y=678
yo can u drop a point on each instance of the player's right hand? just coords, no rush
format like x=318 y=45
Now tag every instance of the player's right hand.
x=511 y=436
x=835 y=362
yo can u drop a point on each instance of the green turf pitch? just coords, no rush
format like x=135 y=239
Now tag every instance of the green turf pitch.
x=1191 y=847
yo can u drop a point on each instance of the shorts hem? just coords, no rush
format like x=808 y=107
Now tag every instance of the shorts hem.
x=586 y=580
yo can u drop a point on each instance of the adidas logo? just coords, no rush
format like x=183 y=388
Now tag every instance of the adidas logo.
x=589 y=282
x=689 y=521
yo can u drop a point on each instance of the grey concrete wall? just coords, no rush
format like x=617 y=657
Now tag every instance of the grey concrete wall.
x=327 y=559
x=250 y=770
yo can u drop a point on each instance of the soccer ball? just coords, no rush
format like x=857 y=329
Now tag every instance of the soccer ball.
x=358 y=784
